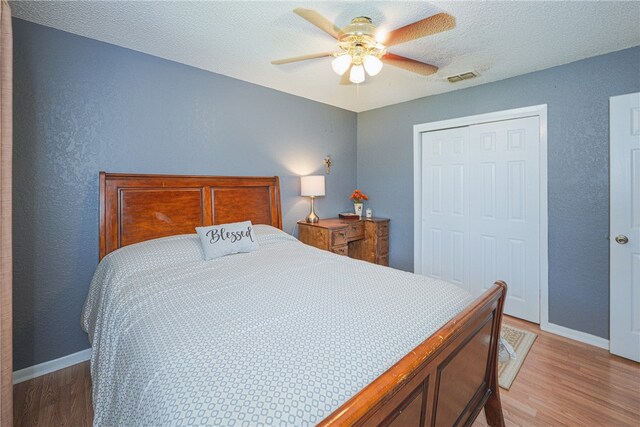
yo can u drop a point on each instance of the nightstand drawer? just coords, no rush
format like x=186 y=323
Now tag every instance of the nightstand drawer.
x=355 y=231
x=383 y=229
x=339 y=237
x=383 y=245
x=340 y=250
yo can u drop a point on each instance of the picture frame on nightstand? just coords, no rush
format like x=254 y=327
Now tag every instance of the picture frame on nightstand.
x=348 y=215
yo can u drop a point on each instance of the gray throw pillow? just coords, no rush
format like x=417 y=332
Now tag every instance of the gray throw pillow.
x=226 y=239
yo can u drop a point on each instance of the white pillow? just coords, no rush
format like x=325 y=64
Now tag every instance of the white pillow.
x=225 y=239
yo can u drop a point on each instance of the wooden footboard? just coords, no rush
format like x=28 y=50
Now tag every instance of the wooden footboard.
x=445 y=381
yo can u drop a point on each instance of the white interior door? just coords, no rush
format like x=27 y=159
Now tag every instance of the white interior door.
x=624 y=273
x=481 y=209
x=445 y=206
x=505 y=220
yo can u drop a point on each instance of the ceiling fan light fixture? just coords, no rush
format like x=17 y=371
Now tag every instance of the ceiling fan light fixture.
x=360 y=26
x=362 y=46
x=357 y=74
x=341 y=64
x=372 y=65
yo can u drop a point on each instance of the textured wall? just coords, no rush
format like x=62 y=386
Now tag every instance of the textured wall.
x=82 y=106
x=577 y=95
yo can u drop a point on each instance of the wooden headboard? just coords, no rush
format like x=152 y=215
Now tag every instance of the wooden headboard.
x=135 y=208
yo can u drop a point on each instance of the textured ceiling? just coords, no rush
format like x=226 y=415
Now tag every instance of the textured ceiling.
x=497 y=39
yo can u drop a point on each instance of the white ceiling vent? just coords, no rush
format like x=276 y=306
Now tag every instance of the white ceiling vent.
x=464 y=76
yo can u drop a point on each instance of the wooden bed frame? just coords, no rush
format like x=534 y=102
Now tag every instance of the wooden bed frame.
x=444 y=381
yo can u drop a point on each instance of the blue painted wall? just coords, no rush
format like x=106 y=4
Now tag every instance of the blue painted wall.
x=577 y=95
x=81 y=106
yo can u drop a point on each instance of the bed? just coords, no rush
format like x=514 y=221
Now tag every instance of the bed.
x=285 y=335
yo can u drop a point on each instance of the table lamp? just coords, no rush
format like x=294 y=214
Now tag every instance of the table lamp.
x=312 y=186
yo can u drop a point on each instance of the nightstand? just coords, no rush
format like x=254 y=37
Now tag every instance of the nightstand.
x=375 y=245
x=366 y=239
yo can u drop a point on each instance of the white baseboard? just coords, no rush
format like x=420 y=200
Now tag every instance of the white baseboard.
x=575 y=335
x=51 y=366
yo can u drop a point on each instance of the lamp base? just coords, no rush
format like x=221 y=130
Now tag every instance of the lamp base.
x=312 y=217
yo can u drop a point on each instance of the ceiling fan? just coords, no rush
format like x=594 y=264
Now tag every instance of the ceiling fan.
x=364 y=49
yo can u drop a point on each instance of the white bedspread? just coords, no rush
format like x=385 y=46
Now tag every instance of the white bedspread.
x=280 y=336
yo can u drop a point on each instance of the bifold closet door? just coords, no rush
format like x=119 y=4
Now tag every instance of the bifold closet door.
x=505 y=220
x=481 y=209
x=445 y=205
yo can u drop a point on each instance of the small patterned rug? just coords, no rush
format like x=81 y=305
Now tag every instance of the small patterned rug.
x=521 y=341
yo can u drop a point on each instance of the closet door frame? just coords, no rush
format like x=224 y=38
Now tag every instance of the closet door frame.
x=539 y=111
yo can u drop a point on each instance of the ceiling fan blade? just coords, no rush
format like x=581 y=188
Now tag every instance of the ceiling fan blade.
x=301 y=58
x=409 y=64
x=432 y=25
x=344 y=79
x=318 y=20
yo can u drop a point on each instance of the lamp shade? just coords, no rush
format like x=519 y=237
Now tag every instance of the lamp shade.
x=312 y=185
x=357 y=74
x=341 y=64
x=372 y=65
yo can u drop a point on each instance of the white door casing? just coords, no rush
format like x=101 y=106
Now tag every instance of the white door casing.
x=624 y=217
x=496 y=243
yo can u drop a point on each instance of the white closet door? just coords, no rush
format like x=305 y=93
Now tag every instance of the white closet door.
x=481 y=209
x=624 y=273
x=445 y=207
x=505 y=212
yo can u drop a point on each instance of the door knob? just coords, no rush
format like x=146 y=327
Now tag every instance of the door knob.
x=623 y=240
